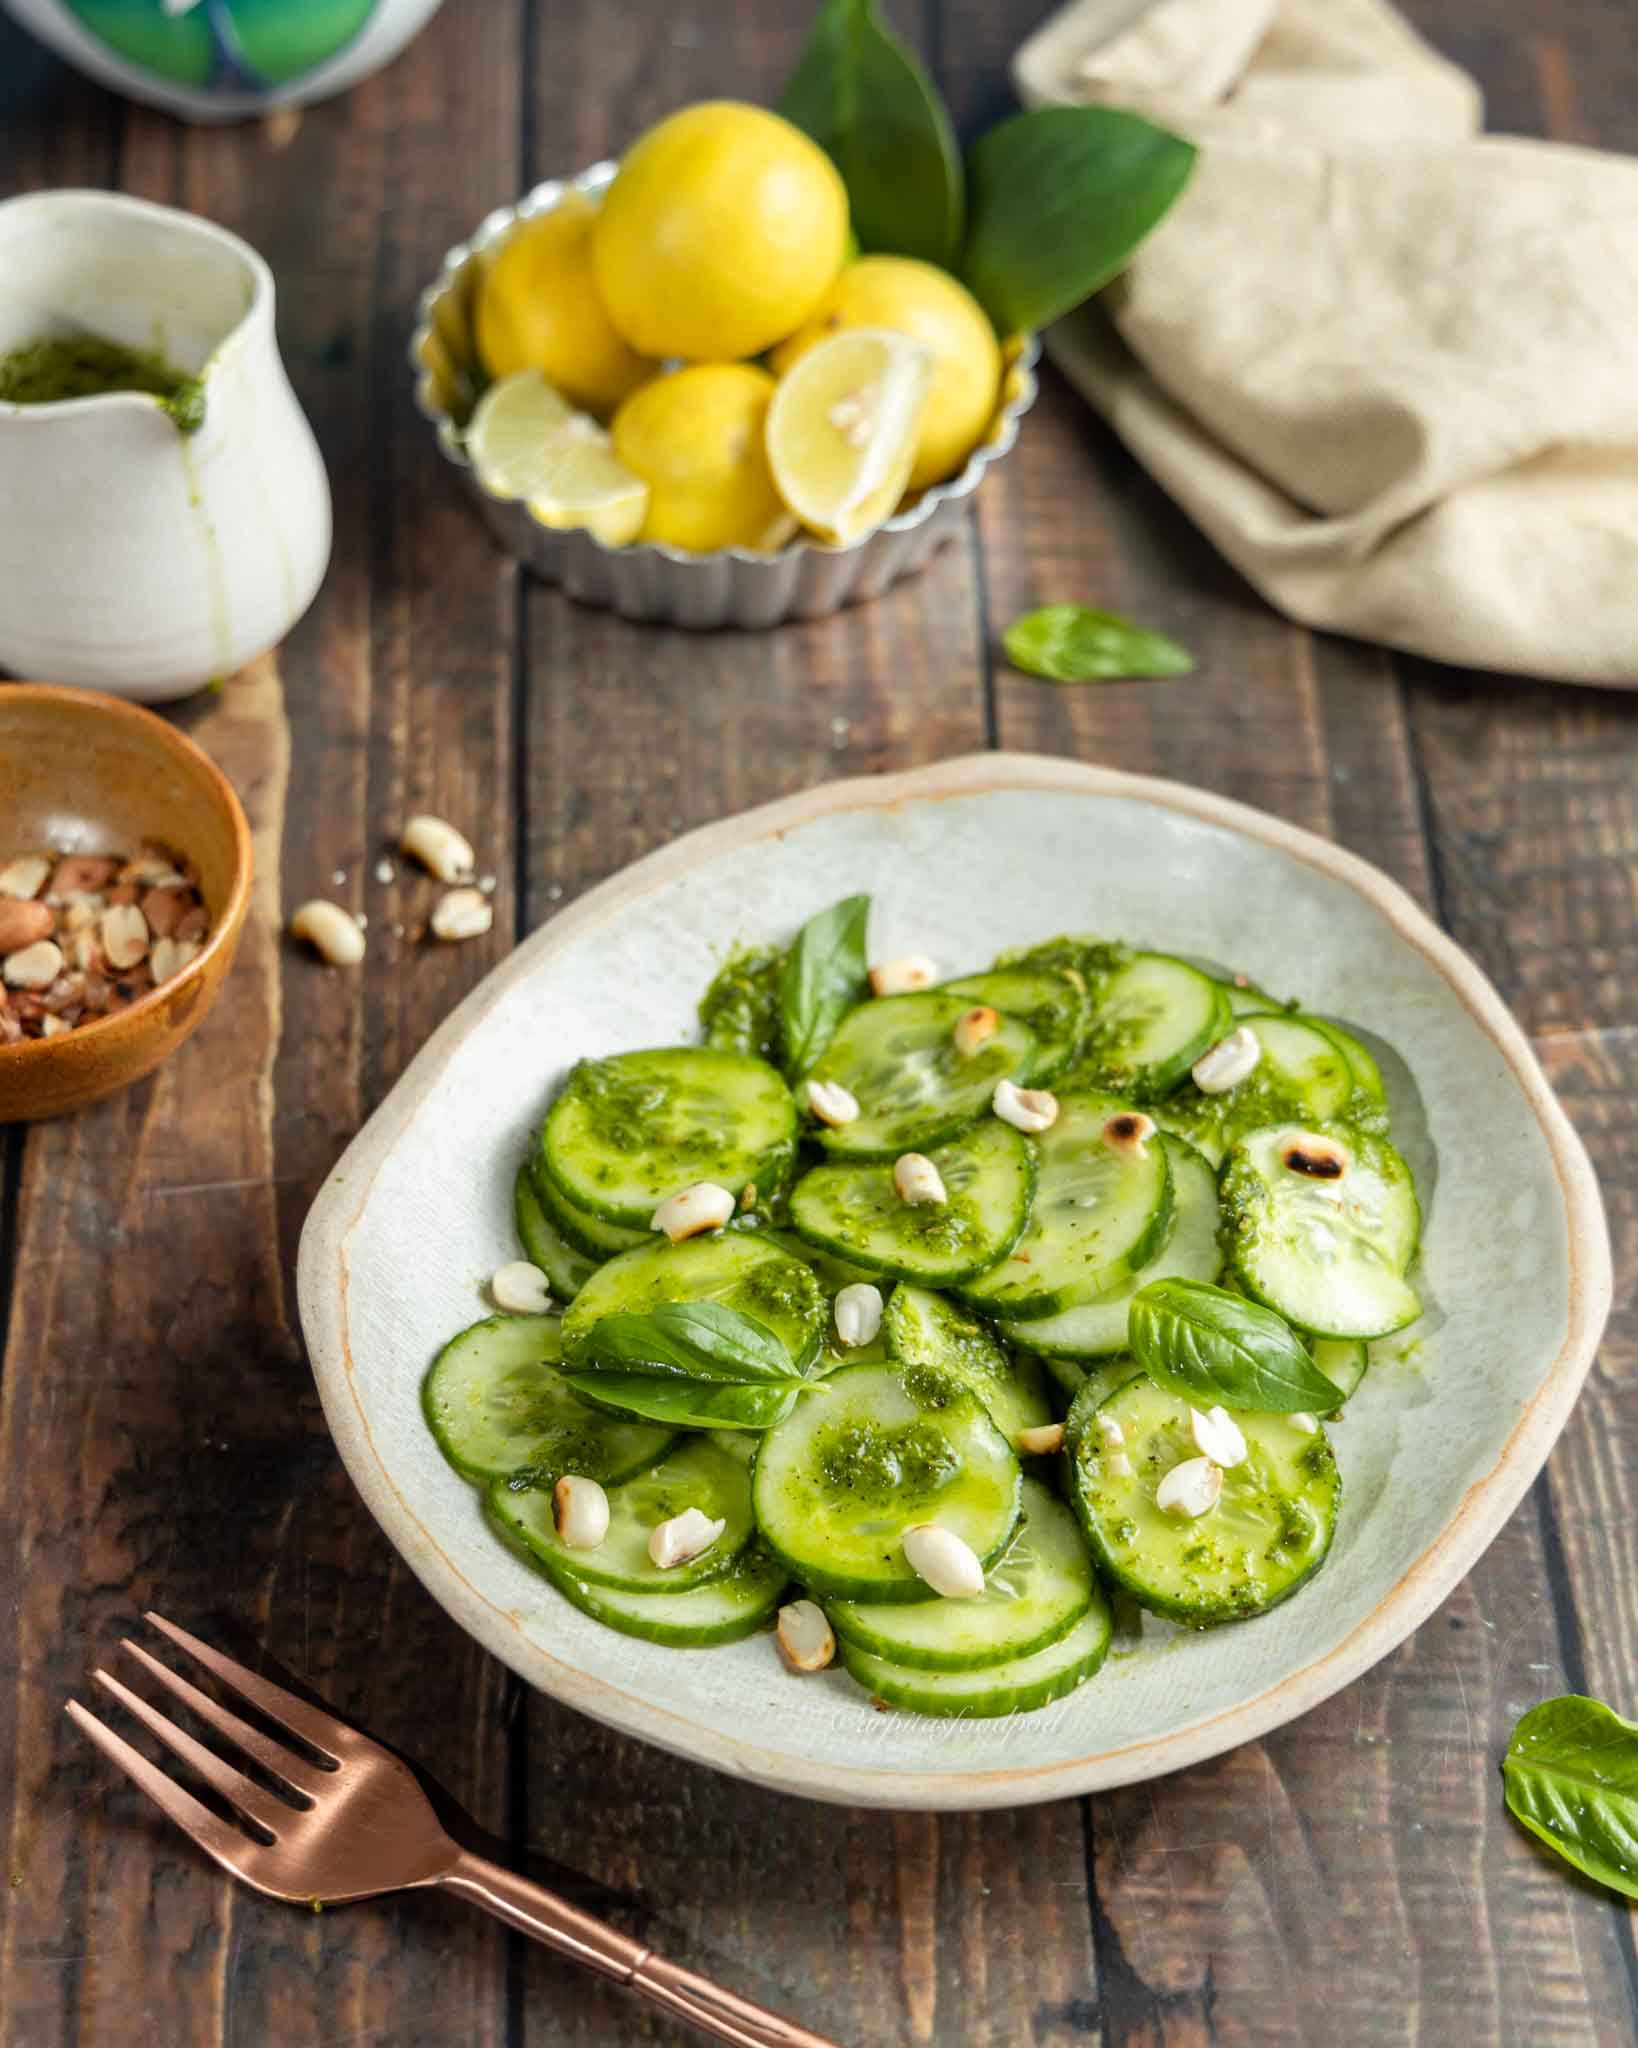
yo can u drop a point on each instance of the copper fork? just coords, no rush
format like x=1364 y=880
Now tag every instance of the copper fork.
x=359 y=1824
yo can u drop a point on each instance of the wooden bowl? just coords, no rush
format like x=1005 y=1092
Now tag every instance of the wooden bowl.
x=93 y=774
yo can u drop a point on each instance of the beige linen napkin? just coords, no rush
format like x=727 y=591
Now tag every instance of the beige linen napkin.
x=1389 y=365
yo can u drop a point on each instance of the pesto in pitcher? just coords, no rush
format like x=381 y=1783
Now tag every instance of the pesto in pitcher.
x=84 y=366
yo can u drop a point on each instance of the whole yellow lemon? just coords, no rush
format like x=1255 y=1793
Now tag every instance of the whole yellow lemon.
x=928 y=304
x=538 y=309
x=724 y=228
x=695 y=438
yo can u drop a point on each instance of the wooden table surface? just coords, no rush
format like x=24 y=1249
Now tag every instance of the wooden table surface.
x=1354 y=1878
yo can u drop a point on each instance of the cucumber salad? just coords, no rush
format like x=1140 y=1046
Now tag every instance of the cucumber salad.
x=921 y=1316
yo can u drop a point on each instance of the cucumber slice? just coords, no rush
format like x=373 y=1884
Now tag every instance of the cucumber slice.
x=1267 y=1534
x=1304 y=1075
x=739 y=1269
x=837 y=1483
x=722 y=1610
x=1246 y=999
x=495 y=1402
x=1343 y=1361
x=544 y=1245
x=1049 y=1002
x=694 y=1475
x=1033 y=1594
x=579 y=1228
x=1153 y=1020
x=1015 y=1688
x=1066 y=1374
x=1361 y=1060
x=856 y=1211
x=1098 y=1217
x=1099 y=1383
x=627 y=1132
x=924 y=1331
x=898 y=1058
x=1329 y=1255
x=1192 y=1252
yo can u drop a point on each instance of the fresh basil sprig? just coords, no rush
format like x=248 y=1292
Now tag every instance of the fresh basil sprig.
x=823 y=977
x=1069 y=643
x=877 y=115
x=695 y=1364
x=1571 y=1776
x=1057 y=201
x=1205 y=1344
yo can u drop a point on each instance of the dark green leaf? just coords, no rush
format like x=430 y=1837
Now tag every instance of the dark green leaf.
x=1571 y=1773
x=1067 y=643
x=824 y=977
x=684 y=1401
x=1057 y=201
x=1206 y=1344
x=878 y=116
x=698 y=1340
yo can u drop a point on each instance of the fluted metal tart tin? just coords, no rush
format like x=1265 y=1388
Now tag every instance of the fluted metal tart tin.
x=670 y=586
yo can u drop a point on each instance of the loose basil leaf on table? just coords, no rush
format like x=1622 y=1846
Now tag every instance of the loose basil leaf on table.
x=1206 y=1344
x=683 y=1401
x=1571 y=1776
x=824 y=976
x=879 y=118
x=1070 y=643
x=1057 y=200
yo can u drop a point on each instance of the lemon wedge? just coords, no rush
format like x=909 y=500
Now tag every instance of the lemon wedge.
x=526 y=441
x=843 y=428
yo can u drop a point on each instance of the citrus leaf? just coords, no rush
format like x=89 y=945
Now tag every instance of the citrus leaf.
x=823 y=977
x=1068 y=643
x=1058 y=199
x=1571 y=1775
x=1205 y=1344
x=877 y=115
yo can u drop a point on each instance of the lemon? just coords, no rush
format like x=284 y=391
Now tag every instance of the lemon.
x=526 y=441
x=723 y=230
x=930 y=306
x=695 y=438
x=843 y=429
x=538 y=309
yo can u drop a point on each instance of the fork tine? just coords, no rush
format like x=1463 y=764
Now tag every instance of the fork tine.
x=296 y=1771
x=213 y=1834
x=326 y=1734
x=251 y=1799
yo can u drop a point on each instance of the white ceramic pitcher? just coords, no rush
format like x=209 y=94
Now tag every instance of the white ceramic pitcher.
x=134 y=558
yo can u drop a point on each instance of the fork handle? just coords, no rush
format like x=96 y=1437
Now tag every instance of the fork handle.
x=544 y=1917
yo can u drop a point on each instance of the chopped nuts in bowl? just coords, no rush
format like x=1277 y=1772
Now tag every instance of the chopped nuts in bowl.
x=125 y=871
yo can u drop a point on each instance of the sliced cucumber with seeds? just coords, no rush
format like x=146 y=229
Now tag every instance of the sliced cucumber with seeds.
x=924 y=1331
x=1343 y=1361
x=722 y=1610
x=1150 y=1024
x=1361 y=1060
x=578 y=1228
x=1018 y=1687
x=495 y=1401
x=1033 y=1594
x=837 y=1483
x=855 y=1210
x=1052 y=1004
x=628 y=1131
x=1099 y=1383
x=1269 y=1531
x=897 y=1056
x=695 y=1475
x=1098 y=1216
x=1303 y=1073
x=544 y=1245
x=739 y=1269
x=1192 y=1252
x=1329 y=1253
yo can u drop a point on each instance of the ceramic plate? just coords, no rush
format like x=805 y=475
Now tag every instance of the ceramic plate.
x=961 y=860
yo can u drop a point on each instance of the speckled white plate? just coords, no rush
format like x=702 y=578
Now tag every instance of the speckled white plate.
x=961 y=860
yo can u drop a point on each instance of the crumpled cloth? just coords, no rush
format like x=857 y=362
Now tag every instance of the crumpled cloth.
x=1387 y=363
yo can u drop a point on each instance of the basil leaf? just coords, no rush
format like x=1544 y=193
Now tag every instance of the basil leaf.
x=1057 y=201
x=824 y=976
x=1068 y=643
x=1206 y=1344
x=699 y=1340
x=876 y=114
x=683 y=1401
x=1571 y=1773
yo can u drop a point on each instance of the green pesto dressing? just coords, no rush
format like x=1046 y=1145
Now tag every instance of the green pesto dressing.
x=84 y=366
x=739 y=1012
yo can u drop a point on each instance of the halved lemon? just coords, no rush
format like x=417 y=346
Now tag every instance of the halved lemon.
x=843 y=427
x=526 y=441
